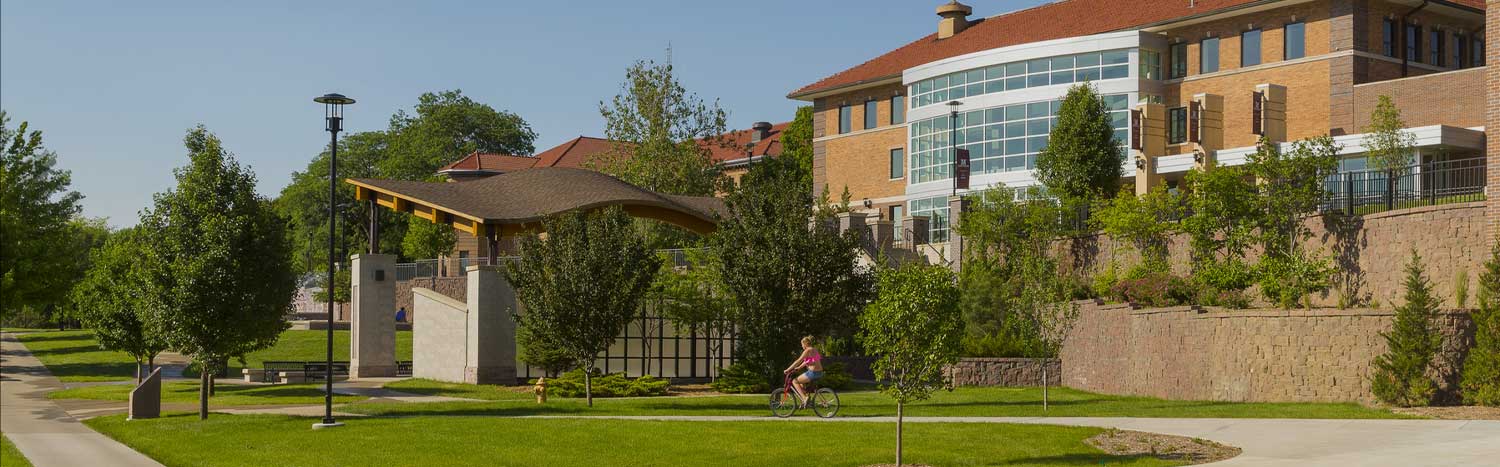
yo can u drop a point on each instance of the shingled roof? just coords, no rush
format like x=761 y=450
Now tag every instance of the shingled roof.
x=1057 y=20
x=527 y=196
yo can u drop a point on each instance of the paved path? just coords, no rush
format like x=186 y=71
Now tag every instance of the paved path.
x=43 y=432
x=1266 y=442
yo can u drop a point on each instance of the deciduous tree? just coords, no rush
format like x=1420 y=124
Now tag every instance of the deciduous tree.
x=583 y=283
x=215 y=260
x=35 y=209
x=111 y=301
x=1387 y=145
x=914 y=328
x=1082 y=159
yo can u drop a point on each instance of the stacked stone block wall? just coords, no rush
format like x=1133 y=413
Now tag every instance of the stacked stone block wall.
x=1009 y=372
x=1369 y=252
x=451 y=287
x=1251 y=356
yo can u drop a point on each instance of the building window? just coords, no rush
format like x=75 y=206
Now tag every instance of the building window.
x=1476 y=53
x=898 y=110
x=872 y=109
x=895 y=213
x=1460 y=45
x=1179 y=60
x=1250 y=48
x=844 y=124
x=1435 y=48
x=1413 y=46
x=1388 y=37
x=1051 y=71
x=936 y=210
x=898 y=163
x=1150 y=64
x=1208 y=55
x=1295 y=43
x=1177 y=125
x=999 y=139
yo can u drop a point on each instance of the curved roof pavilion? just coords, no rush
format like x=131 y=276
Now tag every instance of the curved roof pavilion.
x=508 y=204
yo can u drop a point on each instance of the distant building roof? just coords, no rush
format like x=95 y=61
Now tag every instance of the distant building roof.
x=576 y=152
x=1057 y=20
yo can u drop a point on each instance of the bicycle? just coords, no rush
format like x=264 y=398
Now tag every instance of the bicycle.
x=785 y=401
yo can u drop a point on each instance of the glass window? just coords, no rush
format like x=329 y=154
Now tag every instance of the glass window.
x=1295 y=43
x=898 y=163
x=1460 y=43
x=1150 y=64
x=993 y=72
x=844 y=111
x=898 y=110
x=1086 y=74
x=1115 y=57
x=975 y=76
x=1388 y=37
x=1476 y=53
x=1037 y=110
x=1039 y=79
x=1414 y=43
x=1062 y=63
x=872 y=109
x=1062 y=77
x=1088 y=59
x=1435 y=54
x=1014 y=83
x=1250 y=48
x=1112 y=72
x=1208 y=55
x=1177 y=125
x=1039 y=65
x=1179 y=60
x=1015 y=69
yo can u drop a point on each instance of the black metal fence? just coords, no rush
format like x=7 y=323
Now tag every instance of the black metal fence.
x=659 y=346
x=1428 y=184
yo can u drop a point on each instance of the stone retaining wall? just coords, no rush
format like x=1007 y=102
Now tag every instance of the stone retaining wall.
x=456 y=288
x=1013 y=372
x=1319 y=355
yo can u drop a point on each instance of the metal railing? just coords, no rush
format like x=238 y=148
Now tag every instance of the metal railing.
x=440 y=267
x=1429 y=184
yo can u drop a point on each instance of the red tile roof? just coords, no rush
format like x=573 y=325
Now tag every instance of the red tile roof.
x=1062 y=19
x=574 y=152
x=738 y=140
x=476 y=161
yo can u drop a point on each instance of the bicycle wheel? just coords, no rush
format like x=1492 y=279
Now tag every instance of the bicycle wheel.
x=825 y=403
x=783 y=403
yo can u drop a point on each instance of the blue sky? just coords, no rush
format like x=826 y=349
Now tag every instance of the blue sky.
x=114 y=85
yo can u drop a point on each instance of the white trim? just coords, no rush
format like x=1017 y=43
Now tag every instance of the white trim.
x=1429 y=75
x=1175 y=163
x=1425 y=136
x=1022 y=52
x=1413 y=64
x=859 y=132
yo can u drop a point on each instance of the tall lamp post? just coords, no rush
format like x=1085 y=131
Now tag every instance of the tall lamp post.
x=953 y=142
x=333 y=114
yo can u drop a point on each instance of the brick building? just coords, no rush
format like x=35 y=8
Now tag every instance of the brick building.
x=1190 y=83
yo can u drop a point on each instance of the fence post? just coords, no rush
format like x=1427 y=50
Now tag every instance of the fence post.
x=1349 y=193
x=1390 y=190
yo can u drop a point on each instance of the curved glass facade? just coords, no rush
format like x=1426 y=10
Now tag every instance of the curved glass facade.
x=999 y=139
x=1066 y=69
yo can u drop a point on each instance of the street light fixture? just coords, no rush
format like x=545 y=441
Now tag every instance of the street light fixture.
x=953 y=142
x=333 y=115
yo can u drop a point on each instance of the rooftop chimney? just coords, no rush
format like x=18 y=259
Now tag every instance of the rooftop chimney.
x=759 y=131
x=955 y=18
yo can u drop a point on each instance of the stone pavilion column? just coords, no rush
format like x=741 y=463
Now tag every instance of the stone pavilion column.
x=372 y=336
x=490 y=356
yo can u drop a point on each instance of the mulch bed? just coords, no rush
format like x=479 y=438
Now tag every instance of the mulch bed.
x=1466 y=412
x=1166 y=447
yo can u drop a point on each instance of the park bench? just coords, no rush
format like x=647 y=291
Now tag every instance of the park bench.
x=315 y=371
x=270 y=370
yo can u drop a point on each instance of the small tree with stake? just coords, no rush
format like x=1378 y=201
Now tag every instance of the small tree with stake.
x=111 y=302
x=916 y=328
x=583 y=283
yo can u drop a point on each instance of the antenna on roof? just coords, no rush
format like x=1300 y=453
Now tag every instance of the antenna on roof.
x=669 y=53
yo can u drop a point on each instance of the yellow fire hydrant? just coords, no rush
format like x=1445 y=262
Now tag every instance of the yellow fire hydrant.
x=541 y=390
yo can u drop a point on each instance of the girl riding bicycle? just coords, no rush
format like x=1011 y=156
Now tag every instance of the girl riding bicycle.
x=812 y=359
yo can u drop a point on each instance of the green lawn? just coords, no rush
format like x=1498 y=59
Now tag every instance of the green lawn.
x=74 y=356
x=10 y=456
x=313 y=345
x=254 y=440
x=224 y=394
x=971 y=402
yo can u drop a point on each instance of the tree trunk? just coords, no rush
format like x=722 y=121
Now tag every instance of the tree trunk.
x=209 y=372
x=137 y=371
x=899 y=414
x=203 y=380
x=588 y=386
x=151 y=363
x=1044 y=387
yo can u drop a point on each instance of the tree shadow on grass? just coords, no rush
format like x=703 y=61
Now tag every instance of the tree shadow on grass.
x=1078 y=459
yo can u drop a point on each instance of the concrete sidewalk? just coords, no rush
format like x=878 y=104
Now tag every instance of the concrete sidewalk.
x=1266 y=442
x=42 y=431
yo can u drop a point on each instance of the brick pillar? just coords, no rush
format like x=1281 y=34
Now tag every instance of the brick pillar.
x=490 y=352
x=1348 y=20
x=882 y=234
x=1153 y=143
x=372 y=336
x=957 y=205
x=1492 y=118
x=915 y=230
x=1211 y=126
x=1273 y=112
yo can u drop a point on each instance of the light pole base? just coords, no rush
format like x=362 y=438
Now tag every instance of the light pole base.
x=322 y=425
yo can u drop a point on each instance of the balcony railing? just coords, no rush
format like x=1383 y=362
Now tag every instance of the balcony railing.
x=1429 y=184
